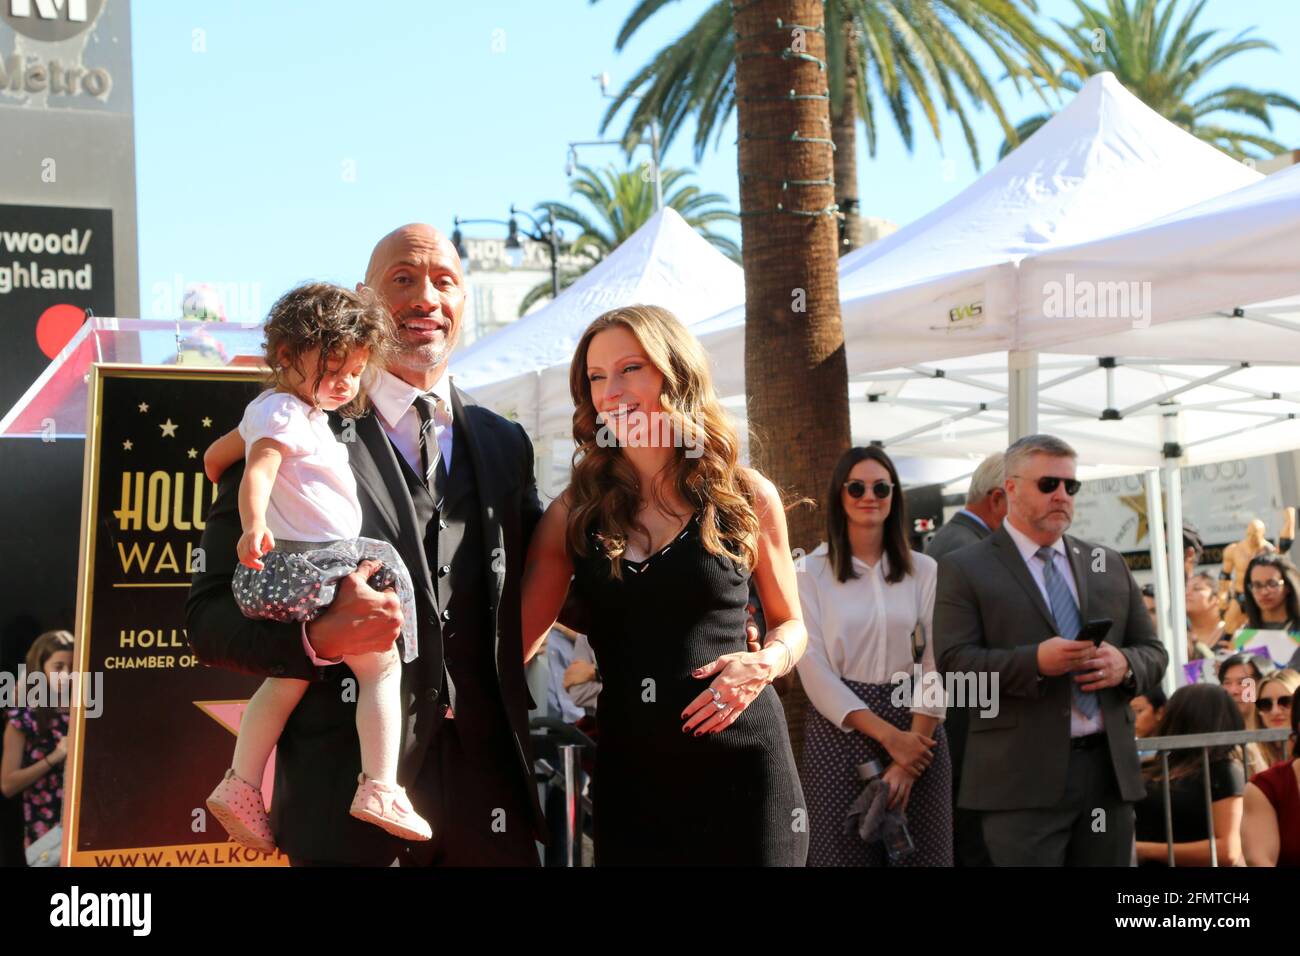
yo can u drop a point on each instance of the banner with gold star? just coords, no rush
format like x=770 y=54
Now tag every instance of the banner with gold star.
x=146 y=754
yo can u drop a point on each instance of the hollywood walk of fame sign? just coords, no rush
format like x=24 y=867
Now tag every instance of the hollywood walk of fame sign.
x=140 y=769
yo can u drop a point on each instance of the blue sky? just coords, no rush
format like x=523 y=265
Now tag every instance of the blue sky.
x=276 y=140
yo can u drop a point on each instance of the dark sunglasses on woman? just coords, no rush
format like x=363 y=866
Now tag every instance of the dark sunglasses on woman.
x=1265 y=704
x=857 y=488
x=1047 y=484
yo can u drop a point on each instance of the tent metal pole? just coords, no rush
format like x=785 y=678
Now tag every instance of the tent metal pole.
x=1177 y=584
x=1277 y=419
x=1175 y=392
x=1159 y=577
x=1174 y=522
x=541 y=443
x=1022 y=381
x=922 y=429
x=1167 y=372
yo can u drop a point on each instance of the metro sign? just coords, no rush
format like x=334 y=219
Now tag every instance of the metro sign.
x=51 y=20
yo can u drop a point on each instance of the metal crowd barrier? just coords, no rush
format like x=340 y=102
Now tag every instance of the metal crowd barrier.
x=569 y=742
x=1206 y=742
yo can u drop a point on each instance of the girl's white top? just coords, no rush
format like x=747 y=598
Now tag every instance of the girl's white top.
x=314 y=497
x=861 y=630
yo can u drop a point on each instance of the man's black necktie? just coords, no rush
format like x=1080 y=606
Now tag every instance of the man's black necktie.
x=429 y=408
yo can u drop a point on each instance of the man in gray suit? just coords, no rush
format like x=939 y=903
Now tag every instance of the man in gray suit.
x=1053 y=769
x=986 y=506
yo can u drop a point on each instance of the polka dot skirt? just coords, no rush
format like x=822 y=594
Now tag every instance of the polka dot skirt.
x=829 y=773
x=300 y=579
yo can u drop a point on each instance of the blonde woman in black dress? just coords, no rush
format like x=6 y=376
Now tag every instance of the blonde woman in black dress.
x=660 y=530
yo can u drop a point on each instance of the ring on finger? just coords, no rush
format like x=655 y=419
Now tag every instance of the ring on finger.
x=717 y=694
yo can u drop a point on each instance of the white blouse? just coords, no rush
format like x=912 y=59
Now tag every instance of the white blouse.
x=861 y=630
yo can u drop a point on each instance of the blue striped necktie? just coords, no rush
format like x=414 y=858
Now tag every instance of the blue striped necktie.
x=1066 y=613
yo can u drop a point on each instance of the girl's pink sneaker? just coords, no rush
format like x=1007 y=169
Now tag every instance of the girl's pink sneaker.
x=389 y=808
x=239 y=807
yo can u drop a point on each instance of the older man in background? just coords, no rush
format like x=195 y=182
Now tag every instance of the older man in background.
x=986 y=506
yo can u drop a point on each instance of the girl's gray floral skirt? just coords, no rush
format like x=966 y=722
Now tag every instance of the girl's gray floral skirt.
x=300 y=580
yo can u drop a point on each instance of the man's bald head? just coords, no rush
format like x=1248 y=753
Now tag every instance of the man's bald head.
x=413 y=235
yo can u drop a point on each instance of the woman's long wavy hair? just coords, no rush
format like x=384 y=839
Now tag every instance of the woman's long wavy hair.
x=604 y=493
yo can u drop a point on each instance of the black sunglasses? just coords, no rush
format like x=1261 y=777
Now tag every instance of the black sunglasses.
x=857 y=488
x=1048 y=484
x=1265 y=704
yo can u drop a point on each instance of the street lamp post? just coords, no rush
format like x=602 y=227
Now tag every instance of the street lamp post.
x=603 y=80
x=549 y=235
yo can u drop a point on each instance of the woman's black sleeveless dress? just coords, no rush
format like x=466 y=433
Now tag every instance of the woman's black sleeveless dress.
x=661 y=796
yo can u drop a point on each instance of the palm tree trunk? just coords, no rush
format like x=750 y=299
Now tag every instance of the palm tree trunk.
x=844 y=131
x=796 y=377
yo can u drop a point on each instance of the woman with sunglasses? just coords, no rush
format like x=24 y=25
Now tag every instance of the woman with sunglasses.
x=1273 y=708
x=868 y=602
x=1270 y=829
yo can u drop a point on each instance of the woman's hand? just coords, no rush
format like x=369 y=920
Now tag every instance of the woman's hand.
x=910 y=750
x=59 y=753
x=899 y=782
x=740 y=678
x=254 y=543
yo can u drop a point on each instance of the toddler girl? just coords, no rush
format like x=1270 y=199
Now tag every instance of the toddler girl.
x=301 y=535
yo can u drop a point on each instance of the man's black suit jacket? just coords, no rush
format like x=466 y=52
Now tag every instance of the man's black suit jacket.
x=989 y=617
x=318 y=758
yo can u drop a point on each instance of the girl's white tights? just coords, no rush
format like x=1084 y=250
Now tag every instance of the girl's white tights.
x=379 y=717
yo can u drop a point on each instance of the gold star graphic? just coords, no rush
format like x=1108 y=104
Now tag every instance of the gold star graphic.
x=193 y=453
x=207 y=423
x=144 y=407
x=1139 y=505
x=168 y=429
x=126 y=445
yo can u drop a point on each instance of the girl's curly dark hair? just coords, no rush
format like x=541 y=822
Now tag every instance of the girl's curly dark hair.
x=337 y=321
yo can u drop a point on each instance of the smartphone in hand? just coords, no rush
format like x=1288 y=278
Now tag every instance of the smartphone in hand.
x=1095 y=631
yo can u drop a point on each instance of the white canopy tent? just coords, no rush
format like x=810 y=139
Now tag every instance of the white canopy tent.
x=946 y=286
x=1213 y=257
x=943 y=286
x=523 y=370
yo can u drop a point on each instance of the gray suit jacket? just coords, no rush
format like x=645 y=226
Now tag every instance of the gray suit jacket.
x=957 y=533
x=989 y=617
